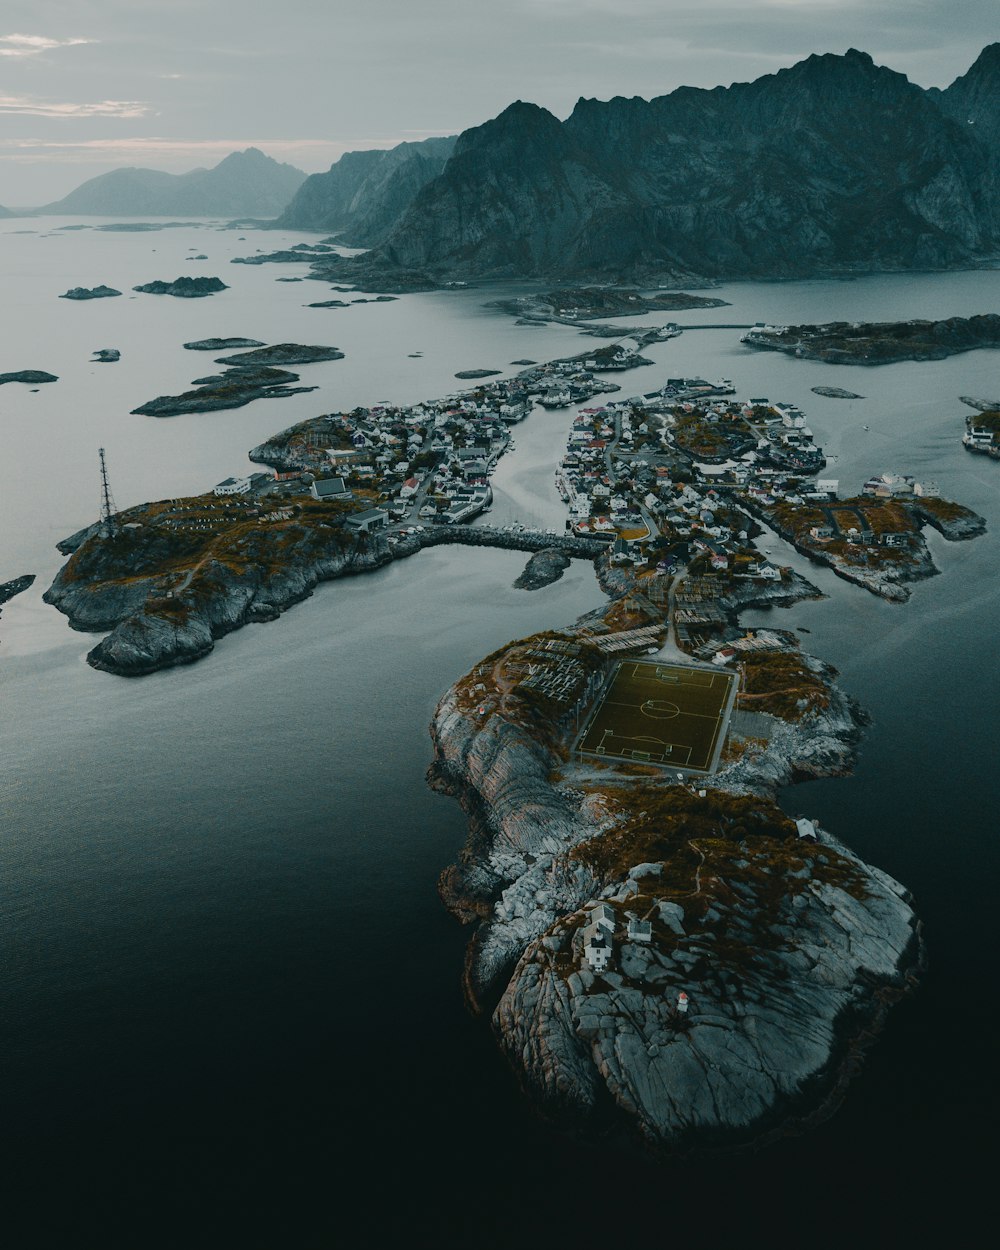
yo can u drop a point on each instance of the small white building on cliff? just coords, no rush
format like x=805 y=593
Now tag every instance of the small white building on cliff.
x=597 y=947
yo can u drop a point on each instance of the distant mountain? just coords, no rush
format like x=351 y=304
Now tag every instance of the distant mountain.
x=364 y=194
x=833 y=165
x=5 y=212
x=245 y=184
x=974 y=99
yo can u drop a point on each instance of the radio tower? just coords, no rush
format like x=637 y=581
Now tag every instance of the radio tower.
x=109 y=522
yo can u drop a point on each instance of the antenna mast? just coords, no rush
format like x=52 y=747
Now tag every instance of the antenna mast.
x=109 y=523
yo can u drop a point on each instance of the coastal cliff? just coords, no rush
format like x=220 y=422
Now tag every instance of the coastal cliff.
x=167 y=594
x=789 y=952
x=163 y=617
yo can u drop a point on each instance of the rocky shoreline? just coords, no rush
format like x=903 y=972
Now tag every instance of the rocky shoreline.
x=158 y=621
x=789 y=952
x=887 y=581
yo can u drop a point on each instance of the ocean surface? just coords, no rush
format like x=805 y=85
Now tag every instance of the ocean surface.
x=231 y=1003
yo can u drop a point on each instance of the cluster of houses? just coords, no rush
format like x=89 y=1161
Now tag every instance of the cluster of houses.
x=435 y=457
x=981 y=438
x=628 y=479
x=896 y=486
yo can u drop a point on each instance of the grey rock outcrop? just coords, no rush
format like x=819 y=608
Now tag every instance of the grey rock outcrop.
x=789 y=952
x=780 y=991
x=542 y=569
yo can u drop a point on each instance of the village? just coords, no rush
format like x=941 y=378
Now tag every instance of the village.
x=673 y=479
x=428 y=462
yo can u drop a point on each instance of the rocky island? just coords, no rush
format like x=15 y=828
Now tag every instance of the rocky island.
x=573 y=304
x=106 y=355
x=544 y=568
x=253 y=375
x=661 y=951
x=834 y=392
x=31 y=377
x=221 y=345
x=184 y=288
x=233 y=388
x=94 y=292
x=283 y=354
x=878 y=343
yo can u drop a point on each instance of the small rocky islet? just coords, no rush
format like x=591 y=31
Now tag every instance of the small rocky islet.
x=834 y=392
x=253 y=374
x=93 y=292
x=30 y=377
x=15 y=586
x=543 y=568
x=221 y=345
x=184 y=288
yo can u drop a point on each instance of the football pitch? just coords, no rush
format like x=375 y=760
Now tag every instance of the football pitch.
x=674 y=715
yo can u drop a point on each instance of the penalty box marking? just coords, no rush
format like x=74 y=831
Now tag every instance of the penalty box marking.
x=691 y=677
x=670 y=750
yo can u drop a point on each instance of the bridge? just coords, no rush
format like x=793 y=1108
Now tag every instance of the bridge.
x=510 y=540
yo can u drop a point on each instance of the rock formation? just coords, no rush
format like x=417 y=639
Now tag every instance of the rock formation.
x=786 y=950
x=833 y=165
x=364 y=193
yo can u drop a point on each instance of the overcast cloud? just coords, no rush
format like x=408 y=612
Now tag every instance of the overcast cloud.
x=88 y=85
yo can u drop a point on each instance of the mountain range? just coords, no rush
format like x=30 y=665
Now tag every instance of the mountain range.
x=364 y=193
x=833 y=165
x=244 y=184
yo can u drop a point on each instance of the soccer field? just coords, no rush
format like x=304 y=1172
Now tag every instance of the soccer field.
x=668 y=714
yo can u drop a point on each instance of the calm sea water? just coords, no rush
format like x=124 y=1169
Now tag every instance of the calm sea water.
x=231 y=1002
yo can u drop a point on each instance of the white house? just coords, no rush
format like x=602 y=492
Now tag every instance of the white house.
x=597 y=946
x=330 y=488
x=233 y=486
x=640 y=931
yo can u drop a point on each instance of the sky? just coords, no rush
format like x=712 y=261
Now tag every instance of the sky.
x=92 y=85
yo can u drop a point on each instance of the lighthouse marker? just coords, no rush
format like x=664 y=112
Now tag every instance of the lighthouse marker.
x=682 y=1003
